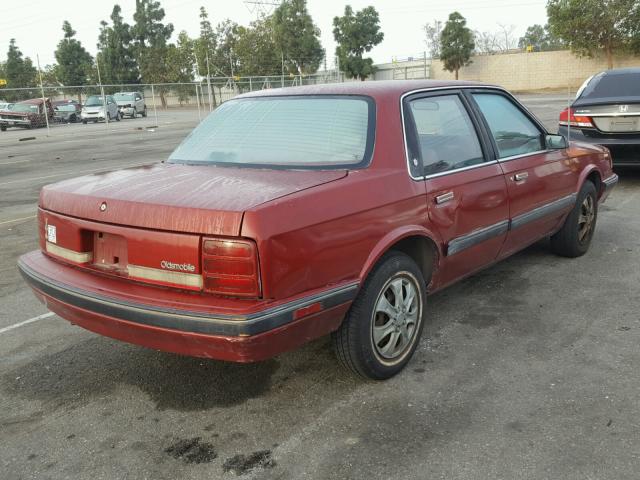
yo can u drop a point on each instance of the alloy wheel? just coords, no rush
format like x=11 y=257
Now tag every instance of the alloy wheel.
x=396 y=317
x=586 y=219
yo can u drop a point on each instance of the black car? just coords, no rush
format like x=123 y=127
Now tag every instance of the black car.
x=66 y=111
x=606 y=112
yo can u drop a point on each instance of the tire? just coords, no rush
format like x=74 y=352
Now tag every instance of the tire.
x=118 y=116
x=144 y=112
x=135 y=113
x=382 y=355
x=574 y=238
x=3 y=128
x=84 y=122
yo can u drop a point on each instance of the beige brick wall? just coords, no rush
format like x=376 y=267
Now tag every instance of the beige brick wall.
x=533 y=71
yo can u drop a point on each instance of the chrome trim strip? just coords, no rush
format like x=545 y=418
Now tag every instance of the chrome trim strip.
x=462 y=169
x=523 y=155
x=404 y=129
x=542 y=211
x=71 y=255
x=182 y=320
x=168 y=276
x=477 y=236
x=612 y=114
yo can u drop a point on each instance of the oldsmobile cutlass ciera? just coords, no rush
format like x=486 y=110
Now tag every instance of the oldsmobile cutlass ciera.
x=291 y=214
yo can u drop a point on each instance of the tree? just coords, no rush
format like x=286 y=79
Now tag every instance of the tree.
x=457 y=43
x=74 y=62
x=505 y=38
x=590 y=27
x=432 y=32
x=19 y=72
x=225 y=61
x=205 y=45
x=356 y=34
x=256 y=50
x=181 y=60
x=297 y=37
x=115 y=52
x=539 y=39
x=486 y=43
x=150 y=37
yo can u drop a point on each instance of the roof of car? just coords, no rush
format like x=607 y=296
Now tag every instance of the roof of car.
x=33 y=101
x=621 y=71
x=125 y=93
x=373 y=88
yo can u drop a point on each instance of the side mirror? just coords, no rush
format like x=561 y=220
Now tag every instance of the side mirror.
x=556 y=142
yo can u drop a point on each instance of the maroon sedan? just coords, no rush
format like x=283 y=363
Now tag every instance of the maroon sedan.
x=295 y=213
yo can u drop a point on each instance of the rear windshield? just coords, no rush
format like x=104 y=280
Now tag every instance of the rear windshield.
x=24 y=107
x=612 y=85
x=93 y=101
x=292 y=132
x=123 y=97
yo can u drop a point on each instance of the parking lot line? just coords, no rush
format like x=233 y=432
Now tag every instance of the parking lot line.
x=26 y=322
x=18 y=219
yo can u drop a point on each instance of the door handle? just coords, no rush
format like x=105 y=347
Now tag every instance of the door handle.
x=518 y=177
x=444 y=198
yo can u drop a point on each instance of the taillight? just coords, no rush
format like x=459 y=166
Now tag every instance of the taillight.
x=568 y=118
x=230 y=267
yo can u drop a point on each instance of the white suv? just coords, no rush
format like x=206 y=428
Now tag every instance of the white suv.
x=131 y=104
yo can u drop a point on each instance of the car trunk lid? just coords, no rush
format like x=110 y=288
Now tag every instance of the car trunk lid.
x=615 y=118
x=205 y=200
x=147 y=223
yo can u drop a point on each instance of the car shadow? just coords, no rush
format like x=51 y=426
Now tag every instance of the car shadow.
x=97 y=366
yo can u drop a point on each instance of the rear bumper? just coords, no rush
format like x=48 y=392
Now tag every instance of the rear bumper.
x=240 y=338
x=625 y=151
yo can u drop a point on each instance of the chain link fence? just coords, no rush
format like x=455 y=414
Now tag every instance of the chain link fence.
x=179 y=104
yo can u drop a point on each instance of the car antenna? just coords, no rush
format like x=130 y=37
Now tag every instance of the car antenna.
x=568 y=115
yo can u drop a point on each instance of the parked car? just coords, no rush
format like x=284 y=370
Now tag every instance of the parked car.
x=27 y=114
x=330 y=209
x=94 y=109
x=131 y=104
x=67 y=111
x=606 y=112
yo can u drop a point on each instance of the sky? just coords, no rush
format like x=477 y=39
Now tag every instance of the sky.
x=37 y=24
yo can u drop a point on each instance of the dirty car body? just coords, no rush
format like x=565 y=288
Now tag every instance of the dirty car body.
x=27 y=114
x=274 y=221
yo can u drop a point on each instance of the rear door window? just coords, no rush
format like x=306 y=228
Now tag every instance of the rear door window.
x=446 y=138
x=513 y=132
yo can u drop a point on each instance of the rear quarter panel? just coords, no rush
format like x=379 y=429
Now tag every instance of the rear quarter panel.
x=326 y=235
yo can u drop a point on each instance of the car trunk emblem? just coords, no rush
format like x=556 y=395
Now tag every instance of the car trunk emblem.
x=624 y=108
x=103 y=206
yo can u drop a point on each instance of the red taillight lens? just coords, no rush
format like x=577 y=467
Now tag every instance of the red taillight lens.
x=568 y=118
x=230 y=267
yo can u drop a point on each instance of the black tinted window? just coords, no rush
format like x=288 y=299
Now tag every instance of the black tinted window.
x=446 y=139
x=512 y=130
x=613 y=84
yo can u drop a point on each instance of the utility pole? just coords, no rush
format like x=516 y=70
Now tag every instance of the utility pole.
x=209 y=83
x=104 y=100
x=44 y=100
x=282 y=77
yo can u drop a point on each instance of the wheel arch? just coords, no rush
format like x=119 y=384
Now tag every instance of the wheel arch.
x=593 y=174
x=415 y=241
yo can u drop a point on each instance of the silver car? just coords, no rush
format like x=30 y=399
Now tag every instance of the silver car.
x=131 y=104
x=94 y=109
